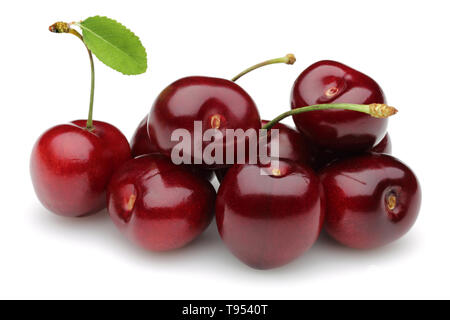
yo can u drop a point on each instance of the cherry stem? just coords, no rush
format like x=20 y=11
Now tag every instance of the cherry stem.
x=288 y=59
x=376 y=110
x=63 y=27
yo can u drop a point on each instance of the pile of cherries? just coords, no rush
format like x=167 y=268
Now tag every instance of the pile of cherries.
x=334 y=171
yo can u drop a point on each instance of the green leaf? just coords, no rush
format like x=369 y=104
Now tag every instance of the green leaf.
x=114 y=45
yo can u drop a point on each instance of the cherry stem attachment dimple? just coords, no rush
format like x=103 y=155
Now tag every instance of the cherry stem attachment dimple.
x=391 y=202
x=63 y=27
x=288 y=59
x=376 y=110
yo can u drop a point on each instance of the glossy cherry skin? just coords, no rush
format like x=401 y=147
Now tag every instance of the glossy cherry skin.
x=141 y=145
x=372 y=200
x=269 y=220
x=71 y=166
x=292 y=145
x=140 y=142
x=158 y=205
x=337 y=130
x=324 y=157
x=217 y=103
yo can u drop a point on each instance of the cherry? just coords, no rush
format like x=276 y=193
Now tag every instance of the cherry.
x=217 y=103
x=141 y=145
x=372 y=200
x=140 y=142
x=158 y=205
x=324 y=157
x=269 y=220
x=71 y=166
x=292 y=145
x=337 y=130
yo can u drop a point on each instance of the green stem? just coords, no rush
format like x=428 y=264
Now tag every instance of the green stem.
x=375 y=110
x=288 y=59
x=89 y=123
x=64 y=27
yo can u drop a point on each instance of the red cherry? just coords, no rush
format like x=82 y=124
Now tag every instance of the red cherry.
x=140 y=142
x=141 y=145
x=292 y=145
x=325 y=157
x=269 y=220
x=217 y=103
x=158 y=205
x=372 y=200
x=337 y=130
x=71 y=166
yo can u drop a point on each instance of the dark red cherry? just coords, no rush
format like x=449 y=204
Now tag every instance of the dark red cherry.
x=140 y=142
x=141 y=145
x=269 y=220
x=372 y=200
x=325 y=157
x=292 y=145
x=337 y=130
x=71 y=166
x=216 y=103
x=158 y=205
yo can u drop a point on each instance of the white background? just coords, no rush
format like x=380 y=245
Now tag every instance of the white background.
x=403 y=45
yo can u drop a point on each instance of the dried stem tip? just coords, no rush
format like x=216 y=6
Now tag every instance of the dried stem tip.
x=380 y=110
x=291 y=58
x=59 y=27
